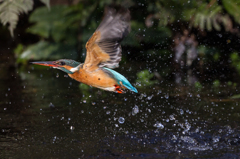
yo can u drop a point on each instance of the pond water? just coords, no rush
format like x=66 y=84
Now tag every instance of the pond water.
x=44 y=114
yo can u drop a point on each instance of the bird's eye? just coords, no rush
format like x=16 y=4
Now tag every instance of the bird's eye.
x=62 y=63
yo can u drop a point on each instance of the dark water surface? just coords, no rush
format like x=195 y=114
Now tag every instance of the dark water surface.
x=45 y=115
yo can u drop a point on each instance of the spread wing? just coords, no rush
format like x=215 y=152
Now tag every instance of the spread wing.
x=103 y=48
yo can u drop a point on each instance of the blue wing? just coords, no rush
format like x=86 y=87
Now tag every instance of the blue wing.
x=121 y=78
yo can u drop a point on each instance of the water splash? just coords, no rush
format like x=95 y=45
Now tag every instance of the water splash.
x=135 y=110
x=121 y=120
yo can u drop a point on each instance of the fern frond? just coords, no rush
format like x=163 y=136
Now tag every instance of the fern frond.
x=210 y=18
x=10 y=10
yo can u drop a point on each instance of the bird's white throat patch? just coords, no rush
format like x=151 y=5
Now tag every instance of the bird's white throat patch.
x=74 y=69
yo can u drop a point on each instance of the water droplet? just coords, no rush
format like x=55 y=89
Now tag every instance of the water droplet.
x=51 y=105
x=158 y=125
x=174 y=137
x=70 y=103
x=171 y=117
x=181 y=112
x=167 y=96
x=135 y=110
x=156 y=150
x=84 y=101
x=216 y=139
x=57 y=75
x=104 y=107
x=108 y=112
x=93 y=103
x=116 y=125
x=72 y=127
x=149 y=97
x=121 y=120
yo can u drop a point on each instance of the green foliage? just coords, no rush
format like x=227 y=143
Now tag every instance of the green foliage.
x=230 y=83
x=216 y=56
x=199 y=14
x=164 y=14
x=236 y=96
x=216 y=83
x=11 y=9
x=235 y=58
x=58 y=29
x=144 y=79
x=84 y=87
x=61 y=23
x=48 y=23
x=198 y=85
x=207 y=18
x=233 y=8
x=18 y=50
x=47 y=50
x=209 y=53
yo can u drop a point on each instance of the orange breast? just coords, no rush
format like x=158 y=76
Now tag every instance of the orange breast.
x=97 y=78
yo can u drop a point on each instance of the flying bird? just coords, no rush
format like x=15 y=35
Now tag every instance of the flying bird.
x=103 y=55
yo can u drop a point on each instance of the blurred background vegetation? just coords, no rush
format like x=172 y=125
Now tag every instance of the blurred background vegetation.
x=187 y=41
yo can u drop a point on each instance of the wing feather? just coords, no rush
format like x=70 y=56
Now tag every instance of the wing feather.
x=103 y=48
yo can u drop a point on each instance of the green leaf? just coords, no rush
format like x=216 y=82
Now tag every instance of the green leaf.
x=47 y=22
x=60 y=23
x=41 y=29
x=216 y=83
x=45 y=50
x=235 y=96
x=233 y=8
x=18 y=50
x=198 y=86
x=144 y=79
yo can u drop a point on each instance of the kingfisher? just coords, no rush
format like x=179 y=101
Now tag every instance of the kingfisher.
x=103 y=54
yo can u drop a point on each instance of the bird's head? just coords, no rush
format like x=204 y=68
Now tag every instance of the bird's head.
x=66 y=65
